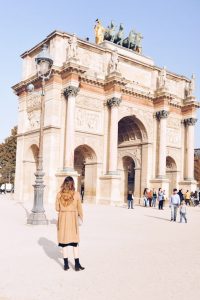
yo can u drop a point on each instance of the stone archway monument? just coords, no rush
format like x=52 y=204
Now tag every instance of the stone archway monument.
x=109 y=109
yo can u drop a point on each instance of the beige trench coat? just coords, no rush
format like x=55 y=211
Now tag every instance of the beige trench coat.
x=67 y=225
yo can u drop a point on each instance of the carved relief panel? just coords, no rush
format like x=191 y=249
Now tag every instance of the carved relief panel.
x=88 y=121
x=33 y=107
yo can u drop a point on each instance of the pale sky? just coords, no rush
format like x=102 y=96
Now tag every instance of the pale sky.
x=170 y=29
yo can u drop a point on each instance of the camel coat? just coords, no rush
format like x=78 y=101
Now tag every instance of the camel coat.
x=67 y=225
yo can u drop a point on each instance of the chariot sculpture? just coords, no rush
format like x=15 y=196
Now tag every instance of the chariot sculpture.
x=132 y=41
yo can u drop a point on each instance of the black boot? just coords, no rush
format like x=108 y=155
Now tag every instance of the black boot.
x=66 y=265
x=78 y=267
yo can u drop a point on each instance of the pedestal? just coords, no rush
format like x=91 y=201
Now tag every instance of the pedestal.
x=110 y=190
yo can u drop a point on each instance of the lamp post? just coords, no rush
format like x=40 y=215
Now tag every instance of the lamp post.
x=44 y=66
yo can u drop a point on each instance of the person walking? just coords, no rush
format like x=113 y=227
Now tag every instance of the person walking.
x=154 y=198
x=145 y=195
x=130 y=199
x=174 y=203
x=160 y=199
x=69 y=208
x=183 y=211
x=180 y=193
x=187 y=198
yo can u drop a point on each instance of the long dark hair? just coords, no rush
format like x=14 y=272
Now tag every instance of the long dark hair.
x=67 y=190
x=68 y=184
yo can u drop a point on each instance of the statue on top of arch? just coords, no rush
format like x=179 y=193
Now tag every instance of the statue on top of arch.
x=132 y=42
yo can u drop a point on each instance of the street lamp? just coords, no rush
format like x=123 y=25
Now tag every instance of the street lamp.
x=44 y=66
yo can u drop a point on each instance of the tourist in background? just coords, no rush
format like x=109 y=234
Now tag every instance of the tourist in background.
x=187 y=197
x=69 y=208
x=154 y=198
x=174 y=203
x=149 y=196
x=180 y=193
x=130 y=199
x=160 y=199
x=183 y=211
x=145 y=195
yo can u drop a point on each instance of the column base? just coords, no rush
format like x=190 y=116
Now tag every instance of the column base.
x=37 y=219
x=110 y=190
x=162 y=183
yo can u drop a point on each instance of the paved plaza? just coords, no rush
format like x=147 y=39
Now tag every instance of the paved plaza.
x=128 y=254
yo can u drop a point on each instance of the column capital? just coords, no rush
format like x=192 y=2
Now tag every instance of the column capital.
x=189 y=121
x=162 y=114
x=71 y=91
x=114 y=101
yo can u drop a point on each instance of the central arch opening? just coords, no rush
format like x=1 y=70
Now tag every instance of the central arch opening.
x=131 y=137
x=85 y=163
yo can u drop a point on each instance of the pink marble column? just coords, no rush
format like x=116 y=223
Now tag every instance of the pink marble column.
x=113 y=103
x=189 y=151
x=162 y=121
x=70 y=93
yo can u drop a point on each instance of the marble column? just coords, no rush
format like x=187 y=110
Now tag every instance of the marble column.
x=70 y=94
x=113 y=103
x=162 y=119
x=189 y=153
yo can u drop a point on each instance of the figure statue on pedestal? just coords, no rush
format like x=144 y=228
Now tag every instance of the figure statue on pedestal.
x=99 y=32
x=71 y=48
x=162 y=79
x=191 y=89
x=114 y=62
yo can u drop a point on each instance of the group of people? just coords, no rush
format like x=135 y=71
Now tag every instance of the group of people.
x=151 y=196
x=177 y=200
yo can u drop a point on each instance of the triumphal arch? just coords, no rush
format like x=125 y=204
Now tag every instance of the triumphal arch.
x=113 y=119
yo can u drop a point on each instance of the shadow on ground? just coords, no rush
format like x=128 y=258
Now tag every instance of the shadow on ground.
x=165 y=219
x=52 y=251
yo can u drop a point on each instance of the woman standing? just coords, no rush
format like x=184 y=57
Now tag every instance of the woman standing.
x=154 y=198
x=68 y=205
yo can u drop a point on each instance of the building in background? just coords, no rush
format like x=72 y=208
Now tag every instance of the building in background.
x=113 y=120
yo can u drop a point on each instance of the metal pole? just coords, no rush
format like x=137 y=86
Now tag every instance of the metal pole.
x=38 y=217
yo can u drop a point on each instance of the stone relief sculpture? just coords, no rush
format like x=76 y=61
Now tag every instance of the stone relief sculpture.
x=33 y=106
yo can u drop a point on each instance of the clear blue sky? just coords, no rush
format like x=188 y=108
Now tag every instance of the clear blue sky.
x=170 y=29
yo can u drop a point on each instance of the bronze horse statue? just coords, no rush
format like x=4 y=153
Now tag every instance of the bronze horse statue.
x=109 y=34
x=118 y=39
x=130 y=42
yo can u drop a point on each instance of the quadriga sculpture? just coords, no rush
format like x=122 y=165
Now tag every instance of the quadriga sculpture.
x=118 y=39
x=129 y=42
x=109 y=34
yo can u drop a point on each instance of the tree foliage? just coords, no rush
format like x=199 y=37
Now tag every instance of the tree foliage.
x=8 y=157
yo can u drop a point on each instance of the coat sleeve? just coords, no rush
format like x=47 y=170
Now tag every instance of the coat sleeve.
x=57 y=206
x=79 y=206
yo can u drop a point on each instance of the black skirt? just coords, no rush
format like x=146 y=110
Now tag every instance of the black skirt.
x=69 y=244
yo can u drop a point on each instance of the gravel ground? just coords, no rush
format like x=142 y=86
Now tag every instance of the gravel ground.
x=128 y=254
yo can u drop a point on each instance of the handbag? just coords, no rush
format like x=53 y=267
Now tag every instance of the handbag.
x=80 y=221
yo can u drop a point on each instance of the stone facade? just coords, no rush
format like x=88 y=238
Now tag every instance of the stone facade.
x=114 y=128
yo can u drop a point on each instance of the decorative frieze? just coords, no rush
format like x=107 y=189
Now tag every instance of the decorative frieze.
x=71 y=91
x=190 y=121
x=114 y=101
x=162 y=114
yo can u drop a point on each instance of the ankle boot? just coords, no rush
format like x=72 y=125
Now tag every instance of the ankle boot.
x=78 y=267
x=66 y=265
